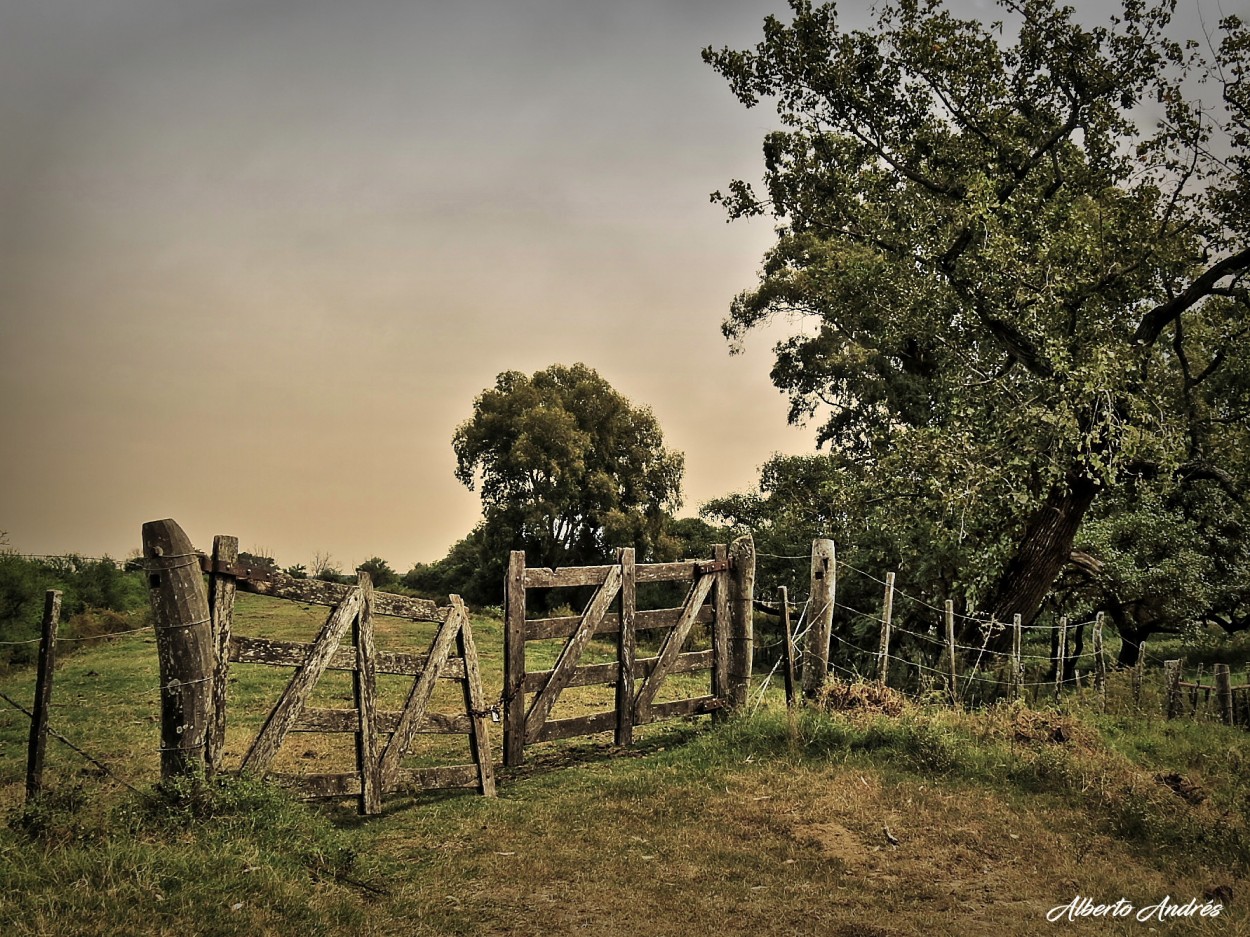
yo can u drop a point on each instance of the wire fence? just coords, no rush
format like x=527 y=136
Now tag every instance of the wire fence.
x=929 y=647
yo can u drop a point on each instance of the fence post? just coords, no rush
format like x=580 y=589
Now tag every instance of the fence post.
x=43 y=695
x=365 y=693
x=721 y=631
x=1139 y=672
x=742 y=646
x=625 y=647
x=1061 y=655
x=783 y=601
x=1017 y=663
x=184 y=645
x=1172 y=684
x=221 y=589
x=1224 y=690
x=887 y=614
x=821 y=598
x=1100 y=665
x=950 y=649
x=514 y=661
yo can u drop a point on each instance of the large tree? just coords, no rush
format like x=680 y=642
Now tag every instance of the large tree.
x=1016 y=270
x=567 y=468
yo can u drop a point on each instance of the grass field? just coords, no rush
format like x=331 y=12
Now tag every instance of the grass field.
x=772 y=823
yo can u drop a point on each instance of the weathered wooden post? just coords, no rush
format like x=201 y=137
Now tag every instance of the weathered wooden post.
x=625 y=640
x=221 y=590
x=38 y=743
x=1139 y=673
x=1017 y=663
x=887 y=615
x=514 y=661
x=821 y=599
x=1100 y=665
x=783 y=602
x=1224 y=690
x=950 y=649
x=365 y=692
x=1061 y=655
x=1172 y=687
x=742 y=592
x=722 y=629
x=184 y=646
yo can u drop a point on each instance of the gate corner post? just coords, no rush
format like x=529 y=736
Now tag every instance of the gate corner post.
x=184 y=646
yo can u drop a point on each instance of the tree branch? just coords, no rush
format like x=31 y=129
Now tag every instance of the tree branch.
x=1160 y=316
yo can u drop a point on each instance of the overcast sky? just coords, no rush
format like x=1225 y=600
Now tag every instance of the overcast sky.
x=257 y=259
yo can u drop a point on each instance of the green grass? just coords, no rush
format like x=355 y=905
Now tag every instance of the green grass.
x=771 y=823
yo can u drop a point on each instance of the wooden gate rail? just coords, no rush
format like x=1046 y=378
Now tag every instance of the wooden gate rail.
x=637 y=681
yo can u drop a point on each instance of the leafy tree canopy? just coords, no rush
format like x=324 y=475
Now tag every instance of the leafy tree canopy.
x=1016 y=271
x=567 y=468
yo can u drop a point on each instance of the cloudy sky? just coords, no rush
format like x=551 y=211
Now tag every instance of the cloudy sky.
x=257 y=259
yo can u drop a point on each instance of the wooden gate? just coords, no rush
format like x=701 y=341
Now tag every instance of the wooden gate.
x=719 y=596
x=382 y=738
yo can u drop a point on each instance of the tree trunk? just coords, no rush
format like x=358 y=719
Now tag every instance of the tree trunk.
x=1043 y=551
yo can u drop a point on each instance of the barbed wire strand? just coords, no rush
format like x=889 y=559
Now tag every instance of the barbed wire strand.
x=63 y=740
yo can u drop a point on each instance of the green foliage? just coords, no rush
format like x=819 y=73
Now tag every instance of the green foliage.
x=98 y=597
x=1004 y=290
x=380 y=572
x=568 y=469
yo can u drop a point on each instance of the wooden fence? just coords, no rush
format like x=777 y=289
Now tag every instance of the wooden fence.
x=719 y=597
x=196 y=646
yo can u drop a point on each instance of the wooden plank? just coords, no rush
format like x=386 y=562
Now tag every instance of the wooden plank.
x=37 y=744
x=553 y=729
x=348 y=720
x=245 y=650
x=475 y=704
x=683 y=571
x=722 y=623
x=595 y=674
x=544 y=578
x=415 y=780
x=419 y=697
x=699 y=706
x=314 y=786
x=514 y=661
x=625 y=650
x=644 y=620
x=289 y=706
x=571 y=653
x=184 y=645
x=221 y=610
x=671 y=648
x=317 y=592
x=541 y=577
x=365 y=691
x=408 y=781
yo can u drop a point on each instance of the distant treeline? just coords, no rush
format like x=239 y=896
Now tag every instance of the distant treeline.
x=100 y=596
